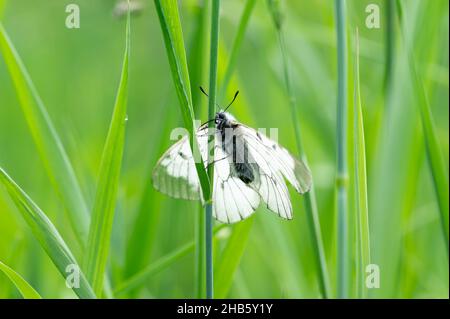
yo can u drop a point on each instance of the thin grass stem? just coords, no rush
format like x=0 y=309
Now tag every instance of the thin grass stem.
x=310 y=198
x=211 y=113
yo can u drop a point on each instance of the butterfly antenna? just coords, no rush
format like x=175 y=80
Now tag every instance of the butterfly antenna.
x=203 y=91
x=234 y=98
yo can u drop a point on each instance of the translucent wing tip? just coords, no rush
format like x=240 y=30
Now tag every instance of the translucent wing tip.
x=303 y=176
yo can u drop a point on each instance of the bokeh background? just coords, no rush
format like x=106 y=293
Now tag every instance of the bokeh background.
x=76 y=72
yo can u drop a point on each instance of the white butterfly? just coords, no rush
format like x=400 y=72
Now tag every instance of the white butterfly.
x=248 y=168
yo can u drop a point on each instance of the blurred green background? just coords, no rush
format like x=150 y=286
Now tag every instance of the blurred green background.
x=76 y=72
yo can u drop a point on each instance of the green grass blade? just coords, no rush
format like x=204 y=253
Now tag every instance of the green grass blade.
x=46 y=233
x=231 y=257
x=433 y=150
x=25 y=289
x=342 y=178
x=162 y=263
x=243 y=23
x=360 y=184
x=310 y=198
x=173 y=38
x=48 y=142
x=108 y=182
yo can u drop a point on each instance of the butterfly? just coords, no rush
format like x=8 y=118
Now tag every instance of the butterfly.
x=249 y=168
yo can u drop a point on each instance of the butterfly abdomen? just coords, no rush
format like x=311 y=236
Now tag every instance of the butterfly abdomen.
x=244 y=172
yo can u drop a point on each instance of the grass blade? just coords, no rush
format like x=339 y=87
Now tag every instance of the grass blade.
x=231 y=257
x=360 y=184
x=310 y=198
x=108 y=182
x=46 y=233
x=342 y=178
x=25 y=289
x=49 y=145
x=433 y=150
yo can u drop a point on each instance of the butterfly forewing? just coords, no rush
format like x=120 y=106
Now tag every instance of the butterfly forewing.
x=175 y=174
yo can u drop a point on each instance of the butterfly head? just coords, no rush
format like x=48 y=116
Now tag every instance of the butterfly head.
x=224 y=119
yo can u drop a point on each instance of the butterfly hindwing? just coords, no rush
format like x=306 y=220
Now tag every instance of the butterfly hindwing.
x=233 y=200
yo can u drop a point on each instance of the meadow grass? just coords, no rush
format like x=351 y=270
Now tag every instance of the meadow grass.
x=390 y=136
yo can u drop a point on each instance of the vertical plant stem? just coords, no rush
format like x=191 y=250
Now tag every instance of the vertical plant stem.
x=341 y=179
x=200 y=235
x=310 y=198
x=211 y=114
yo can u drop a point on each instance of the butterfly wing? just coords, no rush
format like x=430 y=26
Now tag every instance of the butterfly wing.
x=175 y=174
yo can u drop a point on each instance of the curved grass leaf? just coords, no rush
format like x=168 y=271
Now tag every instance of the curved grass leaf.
x=25 y=289
x=46 y=233
x=360 y=184
x=162 y=263
x=49 y=145
x=169 y=20
x=108 y=182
